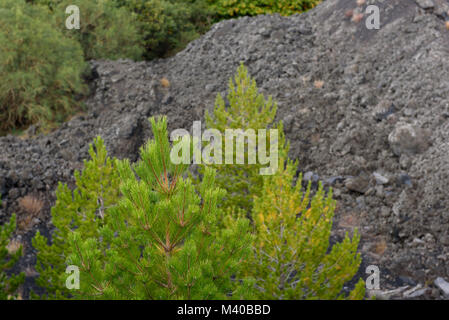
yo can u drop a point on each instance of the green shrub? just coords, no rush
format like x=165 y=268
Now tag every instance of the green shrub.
x=40 y=69
x=291 y=257
x=162 y=241
x=168 y=25
x=85 y=209
x=51 y=4
x=9 y=284
x=106 y=32
x=247 y=109
x=234 y=8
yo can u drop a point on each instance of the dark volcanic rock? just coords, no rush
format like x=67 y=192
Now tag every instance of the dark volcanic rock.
x=335 y=129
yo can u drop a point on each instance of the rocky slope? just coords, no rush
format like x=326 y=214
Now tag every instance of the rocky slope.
x=366 y=111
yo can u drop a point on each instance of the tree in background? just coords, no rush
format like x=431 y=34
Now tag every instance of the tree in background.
x=40 y=69
x=44 y=72
x=226 y=9
x=106 y=31
x=167 y=26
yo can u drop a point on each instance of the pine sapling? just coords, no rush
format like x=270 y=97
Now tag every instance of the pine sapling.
x=246 y=110
x=162 y=240
x=85 y=210
x=291 y=257
x=8 y=258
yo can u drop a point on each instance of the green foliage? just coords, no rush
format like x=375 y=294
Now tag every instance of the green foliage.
x=247 y=109
x=85 y=209
x=235 y=8
x=9 y=284
x=51 y=4
x=291 y=258
x=106 y=31
x=40 y=69
x=168 y=25
x=162 y=241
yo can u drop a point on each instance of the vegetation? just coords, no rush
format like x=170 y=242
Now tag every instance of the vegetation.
x=9 y=255
x=291 y=232
x=40 y=69
x=168 y=26
x=246 y=109
x=159 y=241
x=41 y=61
x=291 y=249
x=226 y=9
x=145 y=231
x=106 y=32
x=86 y=210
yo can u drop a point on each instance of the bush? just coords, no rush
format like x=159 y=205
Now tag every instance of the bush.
x=85 y=209
x=162 y=240
x=226 y=9
x=40 y=69
x=168 y=25
x=106 y=31
x=8 y=257
x=246 y=109
x=159 y=241
x=291 y=257
x=51 y=4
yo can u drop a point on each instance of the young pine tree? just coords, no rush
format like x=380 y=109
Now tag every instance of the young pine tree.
x=246 y=110
x=291 y=233
x=85 y=209
x=291 y=257
x=162 y=240
x=9 y=284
